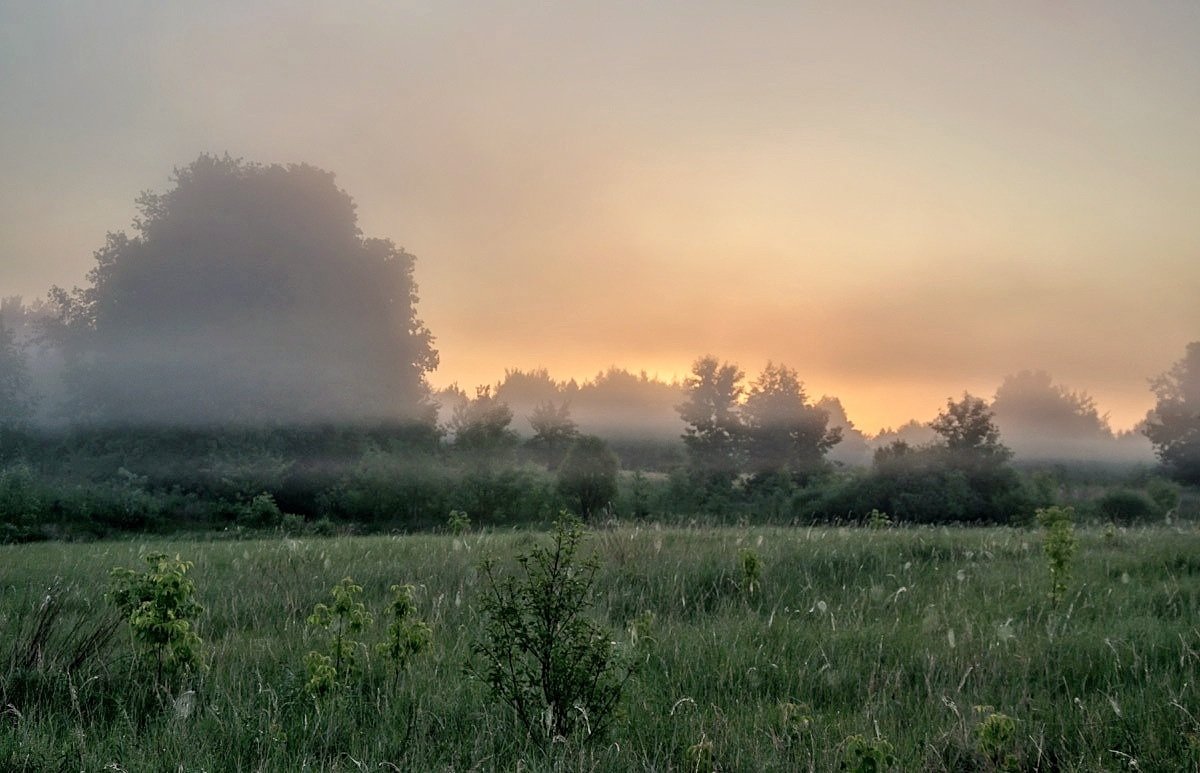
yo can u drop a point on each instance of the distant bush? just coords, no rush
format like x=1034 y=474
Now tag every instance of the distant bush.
x=385 y=486
x=1166 y=494
x=22 y=504
x=504 y=495
x=922 y=485
x=1127 y=506
x=261 y=512
x=587 y=477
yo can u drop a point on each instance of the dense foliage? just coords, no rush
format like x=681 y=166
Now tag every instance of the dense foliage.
x=587 y=477
x=1174 y=424
x=247 y=294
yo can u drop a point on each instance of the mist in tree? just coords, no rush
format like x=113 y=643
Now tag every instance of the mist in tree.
x=783 y=432
x=912 y=433
x=481 y=429
x=619 y=403
x=615 y=404
x=16 y=399
x=853 y=448
x=1173 y=426
x=553 y=431
x=246 y=294
x=524 y=391
x=714 y=434
x=588 y=475
x=1041 y=419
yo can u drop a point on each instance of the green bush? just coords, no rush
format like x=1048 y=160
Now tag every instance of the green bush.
x=867 y=755
x=159 y=606
x=1058 y=525
x=339 y=623
x=261 y=512
x=407 y=635
x=22 y=504
x=555 y=667
x=587 y=477
x=1127 y=506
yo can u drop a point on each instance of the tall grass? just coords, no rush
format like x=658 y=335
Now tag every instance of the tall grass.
x=913 y=635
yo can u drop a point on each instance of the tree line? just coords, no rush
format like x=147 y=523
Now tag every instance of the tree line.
x=247 y=295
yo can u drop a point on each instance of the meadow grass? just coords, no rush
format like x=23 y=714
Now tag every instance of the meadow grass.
x=913 y=635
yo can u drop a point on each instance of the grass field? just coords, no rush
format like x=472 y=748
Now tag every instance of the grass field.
x=929 y=639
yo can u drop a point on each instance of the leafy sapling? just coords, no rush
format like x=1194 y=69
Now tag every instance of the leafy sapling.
x=996 y=736
x=866 y=755
x=458 y=522
x=751 y=572
x=1060 y=545
x=878 y=520
x=407 y=634
x=341 y=622
x=160 y=608
x=557 y=668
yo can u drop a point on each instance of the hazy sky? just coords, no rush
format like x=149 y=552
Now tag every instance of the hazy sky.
x=899 y=200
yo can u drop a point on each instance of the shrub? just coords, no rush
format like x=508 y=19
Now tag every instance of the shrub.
x=340 y=623
x=458 y=522
x=159 y=606
x=1165 y=493
x=407 y=635
x=1060 y=546
x=556 y=668
x=21 y=504
x=878 y=520
x=1127 y=506
x=751 y=571
x=587 y=477
x=996 y=736
x=261 y=512
x=864 y=755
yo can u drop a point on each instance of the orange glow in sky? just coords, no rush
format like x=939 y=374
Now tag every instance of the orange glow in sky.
x=901 y=202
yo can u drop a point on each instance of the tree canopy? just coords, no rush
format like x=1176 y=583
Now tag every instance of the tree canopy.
x=784 y=432
x=481 y=428
x=713 y=436
x=1173 y=425
x=1039 y=418
x=246 y=294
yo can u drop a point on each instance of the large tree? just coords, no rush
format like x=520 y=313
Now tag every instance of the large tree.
x=714 y=434
x=1039 y=418
x=969 y=435
x=784 y=432
x=619 y=403
x=247 y=294
x=524 y=391
x=1173 y=425
x=553 y=431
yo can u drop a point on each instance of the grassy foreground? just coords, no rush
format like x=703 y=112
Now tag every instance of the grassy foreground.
x=916 y=636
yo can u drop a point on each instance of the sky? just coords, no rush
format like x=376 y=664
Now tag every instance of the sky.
x=902 y=201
